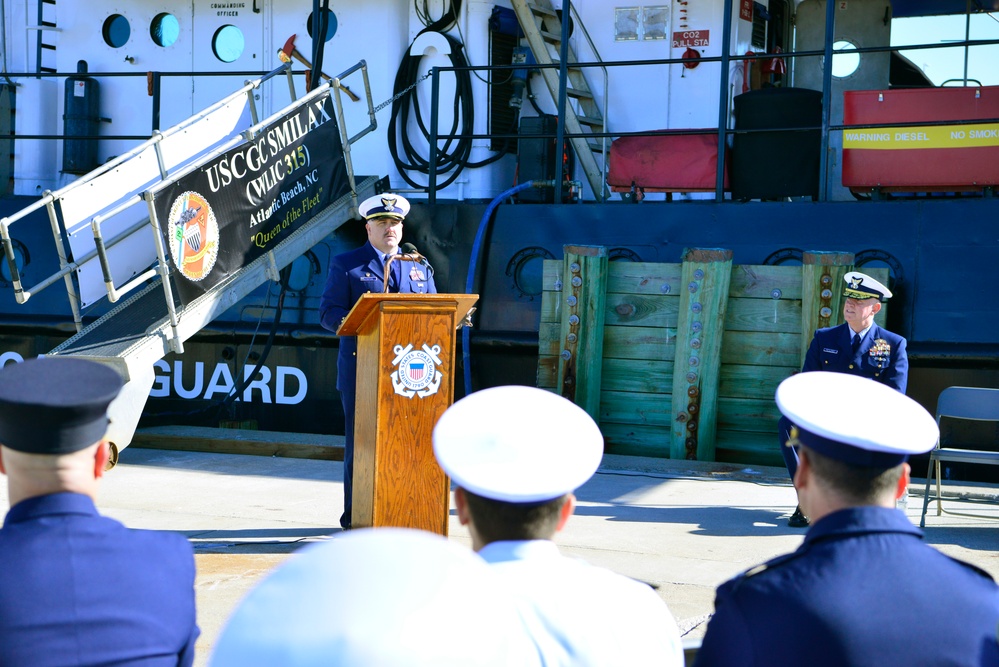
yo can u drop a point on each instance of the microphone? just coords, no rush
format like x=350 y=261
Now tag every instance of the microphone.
x=414 y=256
x=409 y=253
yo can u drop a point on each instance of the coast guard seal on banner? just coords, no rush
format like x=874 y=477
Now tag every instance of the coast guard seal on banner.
x=416 y=372
x=193 y=236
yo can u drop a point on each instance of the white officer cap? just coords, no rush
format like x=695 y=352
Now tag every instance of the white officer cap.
x=854 y=419
x=373 y=597
x=385 y=205
x=517 y=444
x=862 y=286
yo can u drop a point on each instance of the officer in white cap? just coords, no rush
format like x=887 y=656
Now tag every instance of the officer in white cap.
x=357 y=272
x=863 y=588
x=378 y=597
x=515 y=455
x=856 y=347
x=78 y=588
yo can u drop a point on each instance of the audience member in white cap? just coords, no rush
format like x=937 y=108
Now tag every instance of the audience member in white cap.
x=857 y=347
x=352 y=274
x=515 y=455
x=384 y=597
x=78 y=588
x=863 y=588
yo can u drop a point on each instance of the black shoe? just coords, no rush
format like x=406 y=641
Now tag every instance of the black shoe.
x=798 y=520
x=344 y=521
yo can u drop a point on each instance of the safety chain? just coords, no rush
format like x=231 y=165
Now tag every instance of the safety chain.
x=398 y=95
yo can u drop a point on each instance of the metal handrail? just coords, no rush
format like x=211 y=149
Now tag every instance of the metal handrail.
x=48 y=200
x=162 y=264
x=603 y=111
x=725 y=131
x=342 y=121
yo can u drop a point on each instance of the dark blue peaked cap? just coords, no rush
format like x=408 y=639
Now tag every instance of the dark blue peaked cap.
x=55 y=405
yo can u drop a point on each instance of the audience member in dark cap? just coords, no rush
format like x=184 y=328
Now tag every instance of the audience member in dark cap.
x=77 y=588
x=863 y=588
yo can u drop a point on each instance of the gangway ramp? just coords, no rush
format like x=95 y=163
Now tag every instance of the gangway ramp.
x=219 y=221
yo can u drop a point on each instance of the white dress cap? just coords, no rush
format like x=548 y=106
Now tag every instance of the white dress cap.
x=375 y=597
x=517 y=444
x=385 y=205
x=862 y=286
x=855 y=419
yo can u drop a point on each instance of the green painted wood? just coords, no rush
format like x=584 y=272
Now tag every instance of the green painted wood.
x=639 y=375
x=761 y=349
x=627 y=407
x=748 y=414
x=627 y=277
x=623 y=309
x=656 y=343
x=744 y=381
x=642 y=310
x=549 y=338
x=548 y=372
x=762 y=345
x=644 y=278
x=821 y=293
x=706 y=277
x=581 y=325
x=766 y=282
x=636 y=439
x=770 y=315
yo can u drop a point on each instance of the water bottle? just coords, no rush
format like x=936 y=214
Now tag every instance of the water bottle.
x=903 y=502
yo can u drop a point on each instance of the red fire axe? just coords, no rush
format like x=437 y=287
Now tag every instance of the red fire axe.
x=288 y=51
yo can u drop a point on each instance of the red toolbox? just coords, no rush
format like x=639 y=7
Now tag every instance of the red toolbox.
x=955 y=157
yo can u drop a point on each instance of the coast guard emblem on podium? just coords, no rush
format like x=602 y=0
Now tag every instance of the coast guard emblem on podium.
x=416 y=372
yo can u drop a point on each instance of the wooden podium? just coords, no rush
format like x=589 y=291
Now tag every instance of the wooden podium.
x=405 y=382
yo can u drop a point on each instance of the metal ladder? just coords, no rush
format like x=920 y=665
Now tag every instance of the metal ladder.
x=153 y=322
x=543 y=30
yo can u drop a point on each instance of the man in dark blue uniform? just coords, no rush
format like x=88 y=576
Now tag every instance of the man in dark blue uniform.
x=863 y=588
x=357 y=272
x=77 y=588
x=858 y=347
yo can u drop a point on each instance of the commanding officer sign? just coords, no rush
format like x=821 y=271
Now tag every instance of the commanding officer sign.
x=232 y=210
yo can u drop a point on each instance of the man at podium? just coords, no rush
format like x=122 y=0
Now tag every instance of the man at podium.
x=352 y=274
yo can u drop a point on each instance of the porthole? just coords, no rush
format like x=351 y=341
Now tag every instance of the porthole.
x=228 y=43
x=21 y=260
x=165 y=29
x=527 y=270
x=116 y=31
x=844 y=64
x=331 y=25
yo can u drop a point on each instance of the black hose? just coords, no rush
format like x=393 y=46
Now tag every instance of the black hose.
x=453 y=155
x=241 y=384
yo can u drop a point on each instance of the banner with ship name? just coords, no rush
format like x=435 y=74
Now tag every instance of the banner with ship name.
x=242 y=204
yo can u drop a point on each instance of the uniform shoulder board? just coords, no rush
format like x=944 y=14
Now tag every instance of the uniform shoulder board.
x=772 y=563
x=971 y=566
x=769 y=565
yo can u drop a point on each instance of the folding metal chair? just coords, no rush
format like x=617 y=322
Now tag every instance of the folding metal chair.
x=972 y=403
